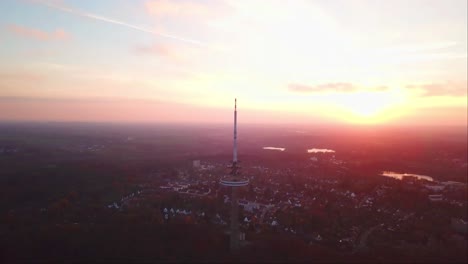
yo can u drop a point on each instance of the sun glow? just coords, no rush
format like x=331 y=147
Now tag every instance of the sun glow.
x=369 y=107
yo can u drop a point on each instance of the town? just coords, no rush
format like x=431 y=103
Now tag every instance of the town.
x=329 y=202
x=372 y=214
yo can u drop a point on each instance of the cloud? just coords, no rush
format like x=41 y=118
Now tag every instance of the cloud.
x=175 y=8
x=58 y=34
x=21 y=82
x=172 y=53
x=116 y=22
x=380 y=88
x=441 y=89
x=327 y=87
x=419 y=52
x=157 y=49
x=422 y=47
x=21 y=77
x=186 y=9
x=339 y=87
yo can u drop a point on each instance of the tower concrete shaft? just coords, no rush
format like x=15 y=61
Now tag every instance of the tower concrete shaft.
x=234 y=239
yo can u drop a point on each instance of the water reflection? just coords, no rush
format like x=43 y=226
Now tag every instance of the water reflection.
x=400 y=176
x=317 y=150
x=274 y=148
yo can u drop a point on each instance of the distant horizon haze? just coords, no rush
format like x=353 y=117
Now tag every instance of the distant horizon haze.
x=147 y=111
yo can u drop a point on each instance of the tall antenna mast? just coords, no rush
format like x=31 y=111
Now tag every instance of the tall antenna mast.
x=234 y=180
x=234 y=156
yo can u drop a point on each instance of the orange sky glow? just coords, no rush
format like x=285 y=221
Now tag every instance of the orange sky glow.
x=353 y=62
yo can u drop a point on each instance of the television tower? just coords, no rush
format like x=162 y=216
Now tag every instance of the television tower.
x=234 y=181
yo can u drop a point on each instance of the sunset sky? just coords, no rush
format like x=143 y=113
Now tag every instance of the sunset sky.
x=336 y=61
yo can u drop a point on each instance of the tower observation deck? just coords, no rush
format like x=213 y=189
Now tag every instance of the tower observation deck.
x=234 y=180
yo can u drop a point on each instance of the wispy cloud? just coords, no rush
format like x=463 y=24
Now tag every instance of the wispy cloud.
x=199 y=10
x=20 y=76
x=157 y=49
x=414 y=48
x=173 y=54
x=58 y=34
x=327 y=87
x=339 y=87
x=116 y=22
x=419 y=52
x=441 y=89
x=175 y=8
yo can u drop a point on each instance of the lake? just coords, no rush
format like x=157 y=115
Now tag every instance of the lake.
x=274 y=148
x=317 y=150
x=400 y=176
